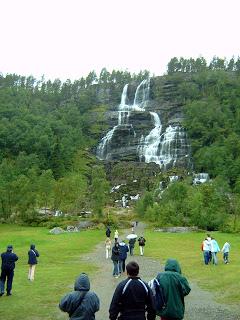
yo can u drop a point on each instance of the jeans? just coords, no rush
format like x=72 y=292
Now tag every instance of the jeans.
x=115 y=268
x=131 y=250
x=214 y=257
x=206 y=256
x=122 y=265
x=225 y=257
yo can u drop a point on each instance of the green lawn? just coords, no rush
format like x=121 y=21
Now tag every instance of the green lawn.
x=59 y=265
x=221 y=279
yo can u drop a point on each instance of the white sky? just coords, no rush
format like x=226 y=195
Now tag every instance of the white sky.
x=69 y=38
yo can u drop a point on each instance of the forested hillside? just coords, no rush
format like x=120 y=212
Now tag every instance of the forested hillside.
x=49 y=132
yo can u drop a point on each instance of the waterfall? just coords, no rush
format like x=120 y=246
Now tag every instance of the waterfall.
x=124 y=111
x=142 y=95
x=166 y=148
x=149 y=147
x=173 y=145
x=163 y=148
x=102 y=149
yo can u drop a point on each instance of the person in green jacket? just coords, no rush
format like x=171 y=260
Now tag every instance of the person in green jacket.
x=175 y=288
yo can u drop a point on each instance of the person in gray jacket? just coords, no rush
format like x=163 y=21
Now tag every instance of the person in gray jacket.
x=81 y=304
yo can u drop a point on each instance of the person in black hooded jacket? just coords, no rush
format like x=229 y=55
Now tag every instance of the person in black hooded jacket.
x=81 y=304
x=132 y=299
x=32 y=261
x=8 y=265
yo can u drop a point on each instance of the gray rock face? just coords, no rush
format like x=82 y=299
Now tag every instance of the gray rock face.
x=151 y=131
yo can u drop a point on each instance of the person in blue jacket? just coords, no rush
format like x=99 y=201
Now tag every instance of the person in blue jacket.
x=8 y=265
x=32 y=261
x=123 y=250
x=81 y=304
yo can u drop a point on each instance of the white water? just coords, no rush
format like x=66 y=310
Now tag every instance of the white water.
x=149 y=147
x=124 y=111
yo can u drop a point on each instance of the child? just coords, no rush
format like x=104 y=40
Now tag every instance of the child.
x=108 y=247
x=225 y=250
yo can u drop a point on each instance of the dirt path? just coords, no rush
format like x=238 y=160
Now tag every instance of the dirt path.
x=200 y=304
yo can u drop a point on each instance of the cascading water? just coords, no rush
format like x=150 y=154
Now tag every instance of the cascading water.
x=173 y=145
x=149 y=147
x=127 y=141
x=124 y=111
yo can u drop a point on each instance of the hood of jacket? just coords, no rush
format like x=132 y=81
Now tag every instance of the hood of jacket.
x=172 y=265
x=32 y=247
x=82 y=283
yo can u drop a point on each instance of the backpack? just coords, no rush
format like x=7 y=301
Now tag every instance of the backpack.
x=158 y=294
x=141 y=241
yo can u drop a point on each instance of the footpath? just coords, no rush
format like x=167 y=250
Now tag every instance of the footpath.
x=200 y=304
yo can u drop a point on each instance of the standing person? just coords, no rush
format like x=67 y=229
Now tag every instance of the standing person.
x=214 y=250
x=131 y=244
x=8 y=265
x=32 y=261
x=115 y=259
x=80 y=304
x=225 y=250
x=209 y=238
x=206 y=248
x=116 y=235
x=175 y=288
x=123 y=250
x=108 y=244
x=132 y=298
x=108 y=232
x=141 y=242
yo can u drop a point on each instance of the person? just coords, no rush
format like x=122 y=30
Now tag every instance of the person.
x=132 y=298
x=131 y=244
x=175 y=288
x=108 y=232
x=8 y=265
x=225 y=250
x=32 y=261
x=209 y=238
x=116 y=235
x=206 y=248
x=214 y=250
x=80 y=304
x=141 y=242
x=115 y=259
x=133 y=224
x=123 y=250
x=108 y=244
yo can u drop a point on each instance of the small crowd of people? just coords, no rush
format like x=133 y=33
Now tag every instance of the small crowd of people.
x=8 y=265
x=118 y=252
x=133 y=298
x=210 y=249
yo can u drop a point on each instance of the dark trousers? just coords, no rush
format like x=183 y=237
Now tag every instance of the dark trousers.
x=6 y=274
x=122 y=265
x=131 y=250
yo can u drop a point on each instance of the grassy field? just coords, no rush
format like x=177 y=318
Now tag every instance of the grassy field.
x=60 y=263
x=222 y=279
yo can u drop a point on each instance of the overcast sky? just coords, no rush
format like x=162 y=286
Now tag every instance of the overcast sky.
x=69 y=38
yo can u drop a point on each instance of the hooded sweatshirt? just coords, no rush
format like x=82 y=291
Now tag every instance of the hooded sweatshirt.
x=32 y=255
x=175 y=288
x=8 y=259
x=123 y=250
x=89 y=300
